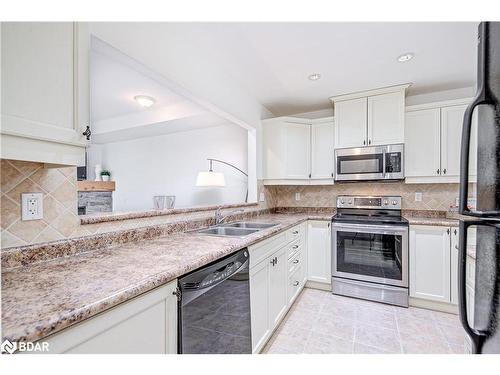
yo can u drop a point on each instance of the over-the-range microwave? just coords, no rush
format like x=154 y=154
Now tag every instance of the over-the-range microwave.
x=370 y=163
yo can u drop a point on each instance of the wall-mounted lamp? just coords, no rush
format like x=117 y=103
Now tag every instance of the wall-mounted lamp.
x=216 y=179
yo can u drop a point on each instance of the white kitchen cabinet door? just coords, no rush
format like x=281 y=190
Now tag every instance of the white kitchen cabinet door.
x=322 y=150
x=422 y=143
x=45 y=91
x=319 y=251
x=454 y=266
x=430 y=262
x=259 y=304
x=298 y=150
x=350 y=123
x=451 y=138
x=386 y=115
x=278 y=286
x=146 y=324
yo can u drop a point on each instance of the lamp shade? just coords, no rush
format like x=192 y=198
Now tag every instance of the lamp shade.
x=210 y=179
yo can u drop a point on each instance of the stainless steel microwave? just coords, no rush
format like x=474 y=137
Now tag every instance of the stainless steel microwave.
x=370 y=163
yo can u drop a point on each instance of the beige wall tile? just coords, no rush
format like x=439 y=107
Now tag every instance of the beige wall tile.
x=26 y=186
x=26 y=167
x=66 y=223
x=10 y=211
x=48 y=178
x=67 y=195
x=48 y=234
x=9 y=176
x=27 y=230
x=9 y=240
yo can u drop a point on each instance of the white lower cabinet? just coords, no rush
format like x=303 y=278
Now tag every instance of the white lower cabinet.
x=319 y=251
x=434 y=263
x=144 y=325
x=273 y=277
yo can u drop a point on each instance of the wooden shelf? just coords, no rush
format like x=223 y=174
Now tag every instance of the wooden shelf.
x=95 y=185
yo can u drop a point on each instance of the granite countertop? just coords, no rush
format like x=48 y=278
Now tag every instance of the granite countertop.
x=441 y=221
x=45 y=297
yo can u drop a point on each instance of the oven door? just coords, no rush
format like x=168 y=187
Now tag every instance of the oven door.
x=364 y=163
x=374 y=253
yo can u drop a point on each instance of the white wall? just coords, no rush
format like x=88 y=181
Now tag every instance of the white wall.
x=168 y=165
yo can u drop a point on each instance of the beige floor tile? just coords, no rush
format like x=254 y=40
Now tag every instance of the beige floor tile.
x=335 y=326
x=384 y=319
x=453 y=334
x=382 y=338
x=446 y=319
x=425 y=345
x=320 y=343
x=365 y=349
x=413 y=326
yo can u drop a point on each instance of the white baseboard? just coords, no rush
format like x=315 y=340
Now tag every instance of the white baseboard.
x=433 y=305
x=318 y=285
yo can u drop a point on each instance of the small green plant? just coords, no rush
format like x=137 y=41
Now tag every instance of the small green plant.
x=105 y=173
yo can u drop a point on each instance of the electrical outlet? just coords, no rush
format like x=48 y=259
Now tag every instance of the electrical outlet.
x=297 y=196
x=31 y=206
x=262 y=197
x=418 y=197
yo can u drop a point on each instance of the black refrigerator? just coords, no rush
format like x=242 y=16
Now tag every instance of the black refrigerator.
x=480 y=309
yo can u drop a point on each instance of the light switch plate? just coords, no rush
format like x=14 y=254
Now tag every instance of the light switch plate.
x=297 y=196
x=31 y=206
x=262 y=197
x=418 y=197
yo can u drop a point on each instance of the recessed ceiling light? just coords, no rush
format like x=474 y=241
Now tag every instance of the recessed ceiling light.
x=314 y=77
x=406 y=57
x=144 y=100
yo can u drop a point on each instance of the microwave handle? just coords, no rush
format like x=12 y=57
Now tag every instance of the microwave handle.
x=384 y=167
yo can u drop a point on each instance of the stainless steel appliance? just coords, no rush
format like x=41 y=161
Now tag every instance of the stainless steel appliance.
x=370 y=249
x=483 y=233
x=370 y=163
x=214 y=308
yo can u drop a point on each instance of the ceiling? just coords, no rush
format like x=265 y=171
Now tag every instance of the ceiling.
x=272 y=61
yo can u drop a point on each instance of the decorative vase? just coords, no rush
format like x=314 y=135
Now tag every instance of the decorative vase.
x=98 y=170
x=105 y=178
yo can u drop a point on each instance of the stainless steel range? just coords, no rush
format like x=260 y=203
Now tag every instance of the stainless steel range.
x=370 y=249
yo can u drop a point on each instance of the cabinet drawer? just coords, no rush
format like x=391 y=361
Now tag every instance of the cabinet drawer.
x=294 y=262
x=297 y=232
x=295 y=283
x=262 y=250
x=293 y=248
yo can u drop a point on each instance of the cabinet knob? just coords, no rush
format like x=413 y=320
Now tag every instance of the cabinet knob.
x=448 y=230
x=437 y=171
x=295 y=261
x=295 y=232
x=295 y=246
x=444 y=171
x=296 y=283
x=364 y=143
x=87 y=133
x=369 y=141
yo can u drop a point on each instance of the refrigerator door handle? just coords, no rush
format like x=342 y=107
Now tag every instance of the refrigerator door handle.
x=478 y=337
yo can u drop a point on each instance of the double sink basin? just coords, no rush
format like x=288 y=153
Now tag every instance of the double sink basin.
x=239 y=229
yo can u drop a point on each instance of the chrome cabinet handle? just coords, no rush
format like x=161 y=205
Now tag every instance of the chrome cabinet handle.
x=87 y=133
x=295 y=232
x=369 y=141
x=275 y=260
x=295 y=246
x=444 y=171
x=437 y=171
x=364 y=142
x=272 y=261
x=448 y=230
x=295 y=283
x=295 y=261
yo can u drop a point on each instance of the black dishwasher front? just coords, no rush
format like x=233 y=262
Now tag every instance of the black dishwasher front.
x=214 y=308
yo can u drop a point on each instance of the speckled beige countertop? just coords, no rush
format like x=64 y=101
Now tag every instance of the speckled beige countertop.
x=45 y=297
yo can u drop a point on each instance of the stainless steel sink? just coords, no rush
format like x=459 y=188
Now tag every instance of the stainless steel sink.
x=226 y=231
x=243 y=224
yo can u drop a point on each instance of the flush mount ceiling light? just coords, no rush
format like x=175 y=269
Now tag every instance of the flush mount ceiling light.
x=144 y=100
x=406 y=57
x=314 y=77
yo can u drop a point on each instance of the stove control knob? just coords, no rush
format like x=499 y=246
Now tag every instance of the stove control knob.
x=341 y=201
x=350 y=201
x=386 y=202
x=394 y=203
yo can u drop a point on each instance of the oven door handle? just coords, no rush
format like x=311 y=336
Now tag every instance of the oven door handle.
x=383 y=163
x=367 y=228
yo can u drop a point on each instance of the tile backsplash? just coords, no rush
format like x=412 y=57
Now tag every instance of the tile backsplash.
x=434 y=196
x=58 y=186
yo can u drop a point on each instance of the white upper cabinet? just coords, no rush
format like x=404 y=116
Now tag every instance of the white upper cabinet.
x=298 y=151
x=386 y=118
x=370 y=118
x=433 y=136
x=422 y=143
x=297 y=137
x=451 y=138
x=322 y=149
x=45 y=91
x=350 y=123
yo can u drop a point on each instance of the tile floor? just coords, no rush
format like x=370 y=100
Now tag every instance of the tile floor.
x=320 y=322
